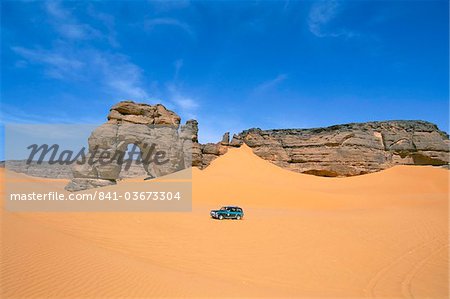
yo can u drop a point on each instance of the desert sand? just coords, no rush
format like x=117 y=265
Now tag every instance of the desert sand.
x=373 y=236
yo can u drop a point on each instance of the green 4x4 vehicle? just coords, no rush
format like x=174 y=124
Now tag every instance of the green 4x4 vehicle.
x=230 y=212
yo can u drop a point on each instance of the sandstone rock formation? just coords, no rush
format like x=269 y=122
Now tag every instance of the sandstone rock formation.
x=225 y=139
x=56 y=171
x=190 y=132
x=211 y=151
x=350 y=149
x=135 y=113
x=236 y=141
x=152 y=128
x=43 y=170
x=341 y=150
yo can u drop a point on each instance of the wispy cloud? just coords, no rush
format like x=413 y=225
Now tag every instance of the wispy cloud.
x=184 y=102
x=321 y=14
x=13 y=114
x=164 y=5
x=178 y=98
x=187 y=105
x=178 y=64
x=114 y=72
x=54 y=9
x=152 y=23
x=67 y=60
x=270 y=84
x=58 y=64
x=67 y=25
x=108 y=22
x=120 y=75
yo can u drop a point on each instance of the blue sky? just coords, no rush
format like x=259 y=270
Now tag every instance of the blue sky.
x=232 y=65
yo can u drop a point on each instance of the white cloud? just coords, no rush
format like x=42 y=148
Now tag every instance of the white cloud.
x=185 y=104
x=321 y=14
x=54 y=9
x=115 y=74
x=152 y=23
x=164 y=5
x=128 y=89
x=70 y=28
x=270 y=84
x=14 y=115
x=118 y=75
x=67 y=25
x=178 y=64
x=69 y=61
x=58 y=64
x=108 y=22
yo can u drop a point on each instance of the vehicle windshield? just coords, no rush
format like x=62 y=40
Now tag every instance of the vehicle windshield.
x=223 y=208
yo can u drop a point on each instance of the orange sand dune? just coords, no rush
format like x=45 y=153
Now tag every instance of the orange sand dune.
x=378 y=235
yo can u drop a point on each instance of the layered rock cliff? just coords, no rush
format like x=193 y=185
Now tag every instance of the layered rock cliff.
x=340 y=150
x=351 y=149
x=343 y=150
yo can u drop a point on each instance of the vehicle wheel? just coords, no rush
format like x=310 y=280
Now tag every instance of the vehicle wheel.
x=220 y=217
x=238 y=217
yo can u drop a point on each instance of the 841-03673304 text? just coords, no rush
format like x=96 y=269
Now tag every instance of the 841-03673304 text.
x=99 y=195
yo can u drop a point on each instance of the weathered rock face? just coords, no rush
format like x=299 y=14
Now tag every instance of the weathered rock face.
x=225 y=139
x=189 y=133
x=211 y=151
x=135 y=113
x=203 y=154
x=43 y=170
x=351 y=149
x=341 y=150
x=152 y=129
x=55 y=171
x=236 y=141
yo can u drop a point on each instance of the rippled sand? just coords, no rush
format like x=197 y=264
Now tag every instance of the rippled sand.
x=378 y=235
